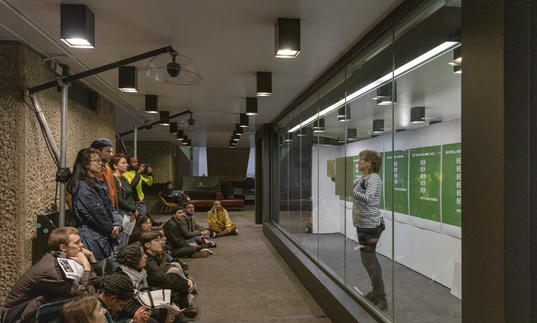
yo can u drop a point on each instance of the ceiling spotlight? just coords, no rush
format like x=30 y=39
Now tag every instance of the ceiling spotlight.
x=127 y=79
x=378 y=126
x=238 y=130
x=384 y=95
x=189 y=143
x=191 y=121
x=251 y=106
x=164 y=119
x=344 y=114
x=417 y=115
x=319 y=125
x=457 y=57
x=180 y=134
x=185 y=139
x=235 y=137
x=302 y=132
x=264 y=83
x=287 y=38
x=352 y=133
x=173 y=127
x=244 y=120
x=151 y=103
x=289 y=137
x=77 y=26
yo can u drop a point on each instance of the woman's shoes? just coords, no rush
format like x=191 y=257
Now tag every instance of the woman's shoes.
x=190 y=312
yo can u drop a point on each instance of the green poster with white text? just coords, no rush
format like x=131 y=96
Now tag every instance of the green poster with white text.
x=396 y=175
x=425 y=182
x=451 y=184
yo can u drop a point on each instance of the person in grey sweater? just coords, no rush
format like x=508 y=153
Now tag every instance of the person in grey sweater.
x=367 y=219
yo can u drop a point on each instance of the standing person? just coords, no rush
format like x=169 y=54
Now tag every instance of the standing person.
x=106 y=151
x=367 y=219
x=219 y=221
x=135 y=178
x=47 y=280
x=95 y=216
x=193 y=231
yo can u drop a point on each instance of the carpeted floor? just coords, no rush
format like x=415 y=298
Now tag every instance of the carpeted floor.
x=247 y=281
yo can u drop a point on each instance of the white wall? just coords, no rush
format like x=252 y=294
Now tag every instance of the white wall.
x=199 y=161
x=430 y=248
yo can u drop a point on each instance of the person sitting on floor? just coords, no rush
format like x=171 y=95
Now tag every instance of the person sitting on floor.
x=66 y=270
x=219 y=221
x=192 y=230
x=161 y=274
x=143 y=224
x=116 y=291
x=132 y=260
x=176 y=243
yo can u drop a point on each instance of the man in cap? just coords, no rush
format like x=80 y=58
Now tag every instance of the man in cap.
x=106 y=149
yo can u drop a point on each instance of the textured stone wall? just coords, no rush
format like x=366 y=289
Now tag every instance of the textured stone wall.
x=160 y=155
x=27 y=187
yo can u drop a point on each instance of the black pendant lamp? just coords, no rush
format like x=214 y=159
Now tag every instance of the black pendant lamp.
x=264 y=83
x=151 y=103
x=244 y=120
x=378 y=126
x=180 y=134
x=287 y=38
x=173 y=127
x=77 y=26
x=251 y=106
x=127 y=79
x=417 y=115
x=164 y=119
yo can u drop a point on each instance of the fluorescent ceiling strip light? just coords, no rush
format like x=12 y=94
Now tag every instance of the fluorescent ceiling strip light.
x=416 y=62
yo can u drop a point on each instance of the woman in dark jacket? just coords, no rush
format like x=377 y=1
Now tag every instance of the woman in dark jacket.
x=97 y=221
x=160 y=274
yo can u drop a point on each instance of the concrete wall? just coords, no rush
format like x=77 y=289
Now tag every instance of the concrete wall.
x=229 y=164
x=28 y=171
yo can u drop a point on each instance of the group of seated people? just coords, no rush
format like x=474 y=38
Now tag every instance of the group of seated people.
x=98 y=271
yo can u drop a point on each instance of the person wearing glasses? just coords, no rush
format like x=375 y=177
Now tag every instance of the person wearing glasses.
x=97 y=224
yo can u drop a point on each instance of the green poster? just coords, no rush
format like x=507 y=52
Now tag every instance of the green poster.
x=381 y=174
x=340 y=176
x=425 y=182
x=396 y=175
x=451 y=184
x=330 y=169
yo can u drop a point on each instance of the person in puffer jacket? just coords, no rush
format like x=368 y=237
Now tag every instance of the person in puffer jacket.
x=98 y=222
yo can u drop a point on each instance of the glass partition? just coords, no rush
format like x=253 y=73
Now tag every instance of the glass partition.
x=369 y=170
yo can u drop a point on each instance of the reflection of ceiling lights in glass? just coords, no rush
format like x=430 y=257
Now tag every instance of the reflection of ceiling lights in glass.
x=384 y=94
x=352 y=133
x=416 y=62
x=417 y=115
x=378 y=126
x=319 y=125
x=343 y=115
x=301 y=132
x=289 y=137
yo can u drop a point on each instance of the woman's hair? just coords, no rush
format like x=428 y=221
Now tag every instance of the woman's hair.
x=83 y=159
x=80 y=309
x=130 y=255
x=119 y=285
x=138 y=226
x=372 y=156
x=148 y=236
x=60 y=236
x=116 y=159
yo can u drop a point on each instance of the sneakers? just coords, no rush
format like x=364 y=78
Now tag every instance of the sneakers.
x=380 y=302
x=190 y=312
x=235 y=232
x=201 y=254
x=207 y=250
x=214 y=234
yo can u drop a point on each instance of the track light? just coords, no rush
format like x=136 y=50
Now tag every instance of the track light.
x=344 y=114
x=352 y=133
x=289 y=137
x=180 y=134
x=173 y=127
x=264 y=84
x=151 y=103
x=127 y=79
x=318 y=125
x=384 y=95
x=235 y=137
x=238 y=130
x=251 y=106
x=378 y=126
x=77 y=26
x=417 y=115
x=185 y=139
x=244 y=120
x=302 y=132
x=164 y=118
x=287 y=38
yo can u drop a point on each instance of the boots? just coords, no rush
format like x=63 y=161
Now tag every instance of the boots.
x=370 y=261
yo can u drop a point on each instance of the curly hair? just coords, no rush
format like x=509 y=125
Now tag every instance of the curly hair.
x=372 y=156
x=80 y=309
x=130 y=255
x=119 y=285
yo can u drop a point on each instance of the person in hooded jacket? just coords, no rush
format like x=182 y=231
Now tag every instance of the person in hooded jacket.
x=97 y=220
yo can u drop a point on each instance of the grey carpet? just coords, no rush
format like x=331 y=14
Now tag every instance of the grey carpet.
x=247 y=281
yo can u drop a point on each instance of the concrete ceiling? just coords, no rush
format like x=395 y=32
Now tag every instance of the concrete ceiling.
x=227 y=42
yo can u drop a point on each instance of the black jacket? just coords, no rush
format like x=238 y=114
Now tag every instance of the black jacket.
x=158 y=278
x=174 y=234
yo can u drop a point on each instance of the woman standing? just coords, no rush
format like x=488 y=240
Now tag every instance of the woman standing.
x=98 y=226
x=125 y=197
x=367 y=219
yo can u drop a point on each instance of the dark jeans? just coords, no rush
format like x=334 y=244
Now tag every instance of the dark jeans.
x=369 y=258
x=183 y=252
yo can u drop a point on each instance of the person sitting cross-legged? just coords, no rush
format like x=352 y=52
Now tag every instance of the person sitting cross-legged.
x=192 y=230
x=65 y=271
x=176 y=243
x=219 y=221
